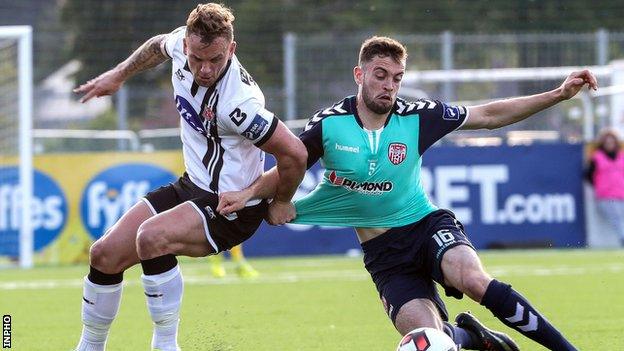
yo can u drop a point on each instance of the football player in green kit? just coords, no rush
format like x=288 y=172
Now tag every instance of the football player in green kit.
x=371 y=145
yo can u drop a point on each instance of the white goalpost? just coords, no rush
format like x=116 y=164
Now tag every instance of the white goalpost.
x=16 y=168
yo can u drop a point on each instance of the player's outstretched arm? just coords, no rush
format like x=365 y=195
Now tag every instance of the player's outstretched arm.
x=501 y=113
x=149 y=55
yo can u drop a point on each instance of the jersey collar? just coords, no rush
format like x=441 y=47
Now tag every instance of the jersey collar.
x=227 y=68
x=353 y=105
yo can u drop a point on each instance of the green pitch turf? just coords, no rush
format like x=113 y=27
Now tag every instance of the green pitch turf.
x=314 y=303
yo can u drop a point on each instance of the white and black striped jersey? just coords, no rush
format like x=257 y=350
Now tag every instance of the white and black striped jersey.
x=221 y=126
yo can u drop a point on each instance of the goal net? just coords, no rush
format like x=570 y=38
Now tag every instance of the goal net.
x=16 y=171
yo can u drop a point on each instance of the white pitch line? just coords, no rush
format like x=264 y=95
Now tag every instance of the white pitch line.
x=318 y=275
x=288 y=277
x=555 y=270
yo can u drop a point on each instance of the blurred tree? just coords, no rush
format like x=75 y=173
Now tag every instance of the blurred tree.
x=48 y=38
x=105 y=32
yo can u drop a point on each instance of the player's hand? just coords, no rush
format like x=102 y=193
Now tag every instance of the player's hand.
x=232 y=201
x=106 y=83
x=281 y=212
x=575 y=82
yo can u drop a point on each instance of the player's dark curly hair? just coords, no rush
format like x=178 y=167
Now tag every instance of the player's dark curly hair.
x=383 y=47
x=209 y=21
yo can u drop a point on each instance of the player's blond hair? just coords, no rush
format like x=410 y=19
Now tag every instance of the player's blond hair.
x=209 y=21
x=383 y=47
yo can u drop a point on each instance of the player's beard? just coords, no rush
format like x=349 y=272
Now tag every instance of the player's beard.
x=369 y=101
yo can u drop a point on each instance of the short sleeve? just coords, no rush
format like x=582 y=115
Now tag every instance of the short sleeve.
x=438 y=119
x=312 y=138
x=251 y=120
x=172 y=40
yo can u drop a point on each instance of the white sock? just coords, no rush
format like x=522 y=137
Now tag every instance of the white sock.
x=164 y=296
x=100 y=305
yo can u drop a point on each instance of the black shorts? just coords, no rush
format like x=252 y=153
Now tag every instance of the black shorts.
x=222 y=233
x=405 y=261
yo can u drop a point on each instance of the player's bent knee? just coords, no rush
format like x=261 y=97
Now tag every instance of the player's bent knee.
x=151 y=241
x=102 y=259
x=97 y=257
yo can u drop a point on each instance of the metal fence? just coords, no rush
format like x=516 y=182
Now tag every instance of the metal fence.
x=322 y=66
x=317 y=70
x=324 y=63
x=299 y=73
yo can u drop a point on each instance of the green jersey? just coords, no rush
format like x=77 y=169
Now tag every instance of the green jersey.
x=372 y=178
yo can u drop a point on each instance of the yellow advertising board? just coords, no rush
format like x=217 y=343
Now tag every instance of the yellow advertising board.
x=78 y=196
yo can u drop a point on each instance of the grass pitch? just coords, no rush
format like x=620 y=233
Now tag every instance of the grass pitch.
x=314 y=303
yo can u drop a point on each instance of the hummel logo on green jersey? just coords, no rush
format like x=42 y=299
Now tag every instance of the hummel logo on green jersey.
x=354 y=149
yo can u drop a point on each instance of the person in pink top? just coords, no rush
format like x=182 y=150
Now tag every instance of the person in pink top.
x=606 y=174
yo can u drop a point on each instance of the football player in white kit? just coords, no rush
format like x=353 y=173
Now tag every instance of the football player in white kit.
x=225 y=130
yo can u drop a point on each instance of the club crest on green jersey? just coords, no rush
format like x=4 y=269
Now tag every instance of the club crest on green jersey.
x=397 y=152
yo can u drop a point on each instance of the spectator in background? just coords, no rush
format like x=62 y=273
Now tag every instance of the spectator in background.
x=606 y=174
